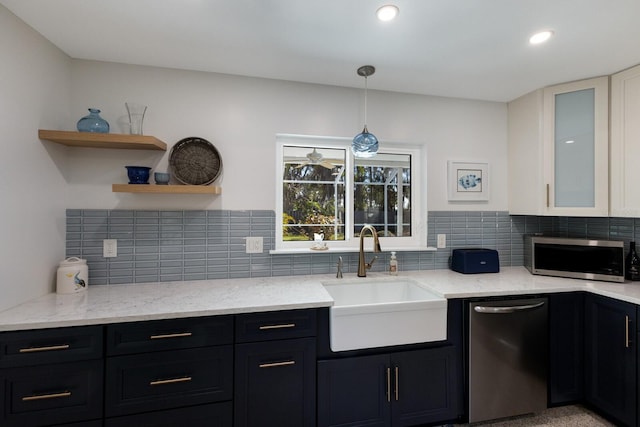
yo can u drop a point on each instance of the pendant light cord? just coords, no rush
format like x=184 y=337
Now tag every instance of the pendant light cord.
x=366 y=71
x=365 y=102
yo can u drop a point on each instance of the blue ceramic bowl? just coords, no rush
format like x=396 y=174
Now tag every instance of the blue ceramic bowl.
x=138 y=174
x=162 y=178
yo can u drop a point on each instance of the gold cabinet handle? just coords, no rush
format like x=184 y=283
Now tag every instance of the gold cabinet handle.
x=47 y=348
x=164 y=336
x=626 y=332
x=46 y=396
x=277 y=364
x=282 y=326
x=170 y=381
x=388 y=384
x=547 y=195
x=397 y=384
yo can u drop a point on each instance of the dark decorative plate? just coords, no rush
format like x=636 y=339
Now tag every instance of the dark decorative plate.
x=195 y=161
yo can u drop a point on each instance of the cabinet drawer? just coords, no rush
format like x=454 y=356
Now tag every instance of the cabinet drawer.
x=211 y=415
x=52 y=394
x=172 y=334
x=275 y=325
x=26 y=348
x=168 y=379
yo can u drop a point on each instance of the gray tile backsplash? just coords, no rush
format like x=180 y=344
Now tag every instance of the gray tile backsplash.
x=157 y=246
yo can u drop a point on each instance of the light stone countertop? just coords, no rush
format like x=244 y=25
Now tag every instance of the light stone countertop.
x=103 y=304
x=151 y=301
x=518 y=281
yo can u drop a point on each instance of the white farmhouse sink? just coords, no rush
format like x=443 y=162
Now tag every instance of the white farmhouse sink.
x=370 y=313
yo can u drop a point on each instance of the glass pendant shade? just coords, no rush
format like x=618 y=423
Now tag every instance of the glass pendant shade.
x=365 y=144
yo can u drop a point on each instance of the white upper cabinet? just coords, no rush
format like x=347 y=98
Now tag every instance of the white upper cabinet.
x=625 y=143
x=558 y=150
x=525 y=157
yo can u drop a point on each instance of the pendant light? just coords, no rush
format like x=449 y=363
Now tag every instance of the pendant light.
x=365 y=144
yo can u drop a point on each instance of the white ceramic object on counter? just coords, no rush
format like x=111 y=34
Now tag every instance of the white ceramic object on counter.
x=72 y=276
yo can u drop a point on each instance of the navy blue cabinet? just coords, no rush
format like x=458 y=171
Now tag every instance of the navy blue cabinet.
x=275 y=383
x=160 y=372
x=610 y=356
x=211 y=415
x=354 y=391
x=170 y=334
x=425 y=386
x=43 y=346
x=275 y=369
x=51 y=394
x=51 y=376
x=566 y=348
x=405 y=388
x=168 y=379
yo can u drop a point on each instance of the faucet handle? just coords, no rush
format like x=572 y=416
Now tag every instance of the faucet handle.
x=372 y=261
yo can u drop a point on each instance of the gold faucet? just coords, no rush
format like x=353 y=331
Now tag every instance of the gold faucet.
x=362 y=265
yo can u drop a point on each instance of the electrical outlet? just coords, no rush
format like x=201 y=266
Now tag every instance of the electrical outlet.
x=442 y=241
x=109 y=248
x=254 y=245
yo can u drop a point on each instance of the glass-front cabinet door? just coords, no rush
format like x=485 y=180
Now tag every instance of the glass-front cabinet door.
x=576 y=148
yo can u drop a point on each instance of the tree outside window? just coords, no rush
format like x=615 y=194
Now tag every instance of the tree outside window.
x=313 y=194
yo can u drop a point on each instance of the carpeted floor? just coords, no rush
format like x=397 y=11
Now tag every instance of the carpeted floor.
x=564 y=416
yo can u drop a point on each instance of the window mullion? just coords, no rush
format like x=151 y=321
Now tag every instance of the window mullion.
x=349 y=197
x=400 y=203
x=386 y=204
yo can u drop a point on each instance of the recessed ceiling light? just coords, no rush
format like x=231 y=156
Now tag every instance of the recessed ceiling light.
x=540 y=37
x=387 y=12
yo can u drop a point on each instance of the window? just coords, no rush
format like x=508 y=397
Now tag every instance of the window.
x=324 y=192
x=313 y=193
x=382 y=194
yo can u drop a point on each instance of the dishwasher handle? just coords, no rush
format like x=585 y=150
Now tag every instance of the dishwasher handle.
x=506 y=310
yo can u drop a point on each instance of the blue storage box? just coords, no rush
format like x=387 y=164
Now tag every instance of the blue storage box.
x=471 y=261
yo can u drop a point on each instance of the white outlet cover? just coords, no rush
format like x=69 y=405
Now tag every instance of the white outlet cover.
x=254 y=245
x=110 y=248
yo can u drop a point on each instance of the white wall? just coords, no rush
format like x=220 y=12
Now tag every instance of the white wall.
x=34 y=93
x=241 y=116
x=42 y=88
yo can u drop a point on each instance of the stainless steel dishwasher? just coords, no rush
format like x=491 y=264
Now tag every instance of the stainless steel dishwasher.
x=508 y=354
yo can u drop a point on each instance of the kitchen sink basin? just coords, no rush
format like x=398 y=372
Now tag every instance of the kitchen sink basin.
x=372 y=313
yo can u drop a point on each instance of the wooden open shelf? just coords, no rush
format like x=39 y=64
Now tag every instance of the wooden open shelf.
x=166 y=189
x=103 y=140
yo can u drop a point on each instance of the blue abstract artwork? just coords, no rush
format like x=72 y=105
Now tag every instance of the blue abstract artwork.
x=469 y=180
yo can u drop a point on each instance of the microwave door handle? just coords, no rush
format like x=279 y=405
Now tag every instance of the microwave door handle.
x=506 y=310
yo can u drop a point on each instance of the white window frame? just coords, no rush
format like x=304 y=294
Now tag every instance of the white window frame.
x=418 y=238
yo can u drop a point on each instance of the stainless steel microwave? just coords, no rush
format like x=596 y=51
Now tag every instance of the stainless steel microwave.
x=575 y=258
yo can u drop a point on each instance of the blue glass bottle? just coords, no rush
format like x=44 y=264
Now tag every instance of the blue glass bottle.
x=93 y=122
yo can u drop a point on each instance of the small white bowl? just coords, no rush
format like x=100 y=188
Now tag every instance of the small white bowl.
x=162 y=178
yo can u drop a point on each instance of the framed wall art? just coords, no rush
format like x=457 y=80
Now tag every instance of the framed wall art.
x=468 y=181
